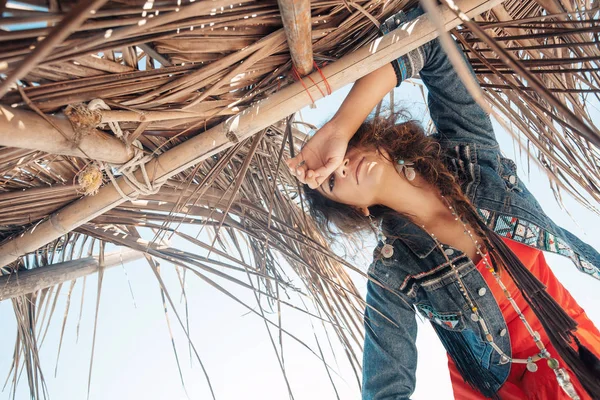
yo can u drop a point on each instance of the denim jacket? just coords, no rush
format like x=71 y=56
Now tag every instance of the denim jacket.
x=417 y=277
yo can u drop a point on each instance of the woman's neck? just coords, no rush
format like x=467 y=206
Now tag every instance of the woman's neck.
x=423 y=204
x=417 y=199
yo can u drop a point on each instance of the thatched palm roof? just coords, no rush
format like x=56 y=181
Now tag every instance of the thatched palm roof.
x=167 y=72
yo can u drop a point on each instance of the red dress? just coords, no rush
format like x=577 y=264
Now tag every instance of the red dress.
x=522 y=384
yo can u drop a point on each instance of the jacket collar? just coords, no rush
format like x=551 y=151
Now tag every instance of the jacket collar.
x=412 y=235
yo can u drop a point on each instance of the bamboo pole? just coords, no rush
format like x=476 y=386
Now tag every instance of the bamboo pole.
x=29 y=281
x=296 y=18
x=261 y=115
x=150 y=116
x=26 y=129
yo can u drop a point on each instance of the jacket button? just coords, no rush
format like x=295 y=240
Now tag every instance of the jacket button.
x=512 y=179
x=503 y=332
x=482 y=291
x=449 y=252
x=388 y=250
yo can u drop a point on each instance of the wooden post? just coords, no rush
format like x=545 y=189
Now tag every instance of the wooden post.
x=27 y=130
x=32 y=280
x=261 y=115
x=296 y=18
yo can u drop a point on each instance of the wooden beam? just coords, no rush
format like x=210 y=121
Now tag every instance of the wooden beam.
x=296 y=18
x=24 y=282
x=253 y=119
x=28 y=130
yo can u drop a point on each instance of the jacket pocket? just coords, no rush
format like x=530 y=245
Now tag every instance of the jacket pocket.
x=452 y=321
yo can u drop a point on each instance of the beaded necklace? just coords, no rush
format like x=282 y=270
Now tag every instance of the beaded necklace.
x=562 y=375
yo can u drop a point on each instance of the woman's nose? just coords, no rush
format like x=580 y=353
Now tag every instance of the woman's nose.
x=342 y=170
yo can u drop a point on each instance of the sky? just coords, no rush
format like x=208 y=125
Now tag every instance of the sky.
x=134 y=355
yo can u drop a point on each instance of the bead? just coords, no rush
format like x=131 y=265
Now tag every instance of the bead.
x=539 y=344
x=489 y=337
x=482 y=291
x=401 y=162
x=536 y=336
x=545 y=353
x=504 y=360
x=474 y=309
x=532 y=367
x=474 y=317
x=553 y=363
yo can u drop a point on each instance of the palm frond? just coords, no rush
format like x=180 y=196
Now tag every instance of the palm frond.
x=168 y=72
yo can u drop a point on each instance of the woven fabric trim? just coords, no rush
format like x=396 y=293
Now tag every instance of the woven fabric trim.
x=532 y=235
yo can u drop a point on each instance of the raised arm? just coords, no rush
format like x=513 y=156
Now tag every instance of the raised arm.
x=325 y=151
x=454 y=112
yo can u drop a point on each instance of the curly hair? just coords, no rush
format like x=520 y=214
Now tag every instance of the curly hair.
x=407 y=141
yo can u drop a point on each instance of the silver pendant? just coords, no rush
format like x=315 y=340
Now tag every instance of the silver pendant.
x=532 y=367
x=504 y=360
x=387 y=250
x=564 y=381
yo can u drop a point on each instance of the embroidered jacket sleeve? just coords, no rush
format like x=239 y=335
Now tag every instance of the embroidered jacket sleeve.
x=390 y=353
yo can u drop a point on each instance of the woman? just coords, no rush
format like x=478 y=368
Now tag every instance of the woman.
x=462 y=244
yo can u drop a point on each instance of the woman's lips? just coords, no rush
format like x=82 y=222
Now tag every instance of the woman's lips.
x=358 y=169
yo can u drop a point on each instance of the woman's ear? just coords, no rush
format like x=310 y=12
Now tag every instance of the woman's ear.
x=364 y=211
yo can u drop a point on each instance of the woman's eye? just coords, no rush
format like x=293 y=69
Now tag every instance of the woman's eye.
x=331 y=182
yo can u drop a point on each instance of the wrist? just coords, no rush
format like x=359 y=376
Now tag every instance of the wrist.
x=338 y=126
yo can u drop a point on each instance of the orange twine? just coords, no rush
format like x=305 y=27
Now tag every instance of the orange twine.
x=327 y=86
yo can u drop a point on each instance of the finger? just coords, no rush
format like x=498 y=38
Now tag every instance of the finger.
x=300 y=174
x=311 y=179
x=298 y=161
x=328 y=168
x=312 y=183
x=320 y=180
x=292 y=163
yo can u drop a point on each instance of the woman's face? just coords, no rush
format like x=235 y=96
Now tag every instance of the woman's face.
x=359 y=179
